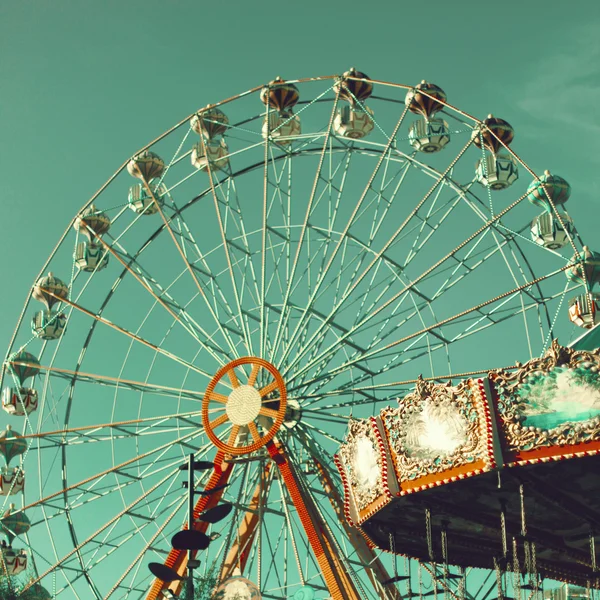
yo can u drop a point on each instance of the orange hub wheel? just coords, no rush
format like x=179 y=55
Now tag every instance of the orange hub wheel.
x=227 y=413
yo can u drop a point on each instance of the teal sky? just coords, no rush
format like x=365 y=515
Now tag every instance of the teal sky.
x=85 y=84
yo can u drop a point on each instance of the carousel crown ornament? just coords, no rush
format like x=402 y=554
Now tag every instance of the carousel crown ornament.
x=449 y=460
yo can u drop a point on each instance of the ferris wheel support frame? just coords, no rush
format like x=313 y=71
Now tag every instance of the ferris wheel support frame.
x=337 y=580
x=377 y=573
x=239 y=550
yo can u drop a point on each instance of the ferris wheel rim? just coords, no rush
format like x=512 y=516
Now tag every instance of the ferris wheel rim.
x=155 y=235
x=186 y=120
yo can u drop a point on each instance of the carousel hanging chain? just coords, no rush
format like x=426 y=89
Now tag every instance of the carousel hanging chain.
x=498 y=572
x=523 y=521
x=534 y=578
x=503 y=528
x=392 y=550
x=444 y=536
x=516 y=570
x=445 y=544
x=428 y=534
x=527 y=558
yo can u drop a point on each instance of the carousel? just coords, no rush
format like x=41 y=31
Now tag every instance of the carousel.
x=498 y=472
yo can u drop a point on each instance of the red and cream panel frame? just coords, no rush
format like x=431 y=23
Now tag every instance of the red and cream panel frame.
x=364 y=466
x=530 y=403
x=440 y=433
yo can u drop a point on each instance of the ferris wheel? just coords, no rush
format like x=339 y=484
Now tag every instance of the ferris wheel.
x=267 y=269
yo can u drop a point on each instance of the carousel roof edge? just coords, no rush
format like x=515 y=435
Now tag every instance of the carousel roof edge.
x=590 y=340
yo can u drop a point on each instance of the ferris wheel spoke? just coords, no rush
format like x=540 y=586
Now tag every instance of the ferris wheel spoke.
x=144 y=550
x=227 y=252
x=93 y=378
x=381 y=325
x=263 y=261
x=221 y=398
x=321 y=378
x=216 y=292
x=352 y=286
x=254 y=374
x=487 y=254
x=102 y=495
x=99 y=550
x=157 y=298
x=157 y=507
x=159 y=500
x=233 y=378
x=235 y=429
x=408 y=354
x=379 y=219
x=428 y=302
x=516 y=281
x=268 y=412
x=303 y=229
x=500 y=314
x=98 y=532
x=313 y=254
x=385 y=348
x=221 y=420
x=405 y=290
x=249 y=285
x=380 y=214
x=267 y=389
x=340 y=241
x=395 y=387
x=310 y=427
x=419 y=242
x=133 y=336
x=254 y=431
x=189 y=267
x=96 y=494
x=139 y=457
x=279 y=234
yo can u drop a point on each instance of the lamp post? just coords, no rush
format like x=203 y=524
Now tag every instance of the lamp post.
x=191 y=539
x=192 y=562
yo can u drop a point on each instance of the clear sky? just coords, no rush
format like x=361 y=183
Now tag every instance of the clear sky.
x=85 y=84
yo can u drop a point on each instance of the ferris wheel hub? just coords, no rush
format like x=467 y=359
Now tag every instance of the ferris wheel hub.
x=243 y=405
x=251 y=413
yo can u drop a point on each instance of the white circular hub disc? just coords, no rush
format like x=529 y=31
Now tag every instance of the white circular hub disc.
x=243 y=405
